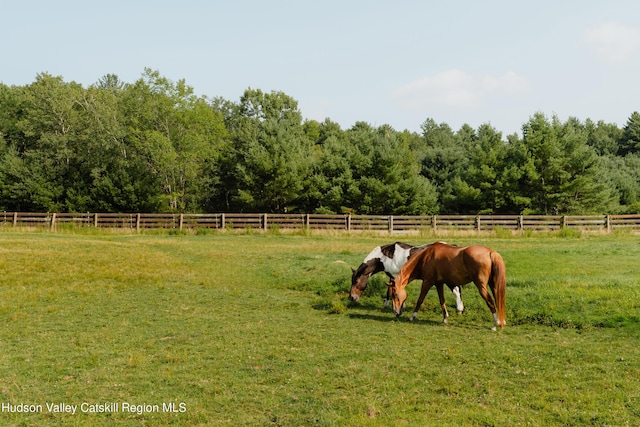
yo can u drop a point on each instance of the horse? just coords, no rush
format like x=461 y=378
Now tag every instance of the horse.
x=390 y=259
x=440 y=263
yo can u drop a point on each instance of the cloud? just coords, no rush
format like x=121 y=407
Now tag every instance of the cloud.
x=613 y=41
x=456 y=88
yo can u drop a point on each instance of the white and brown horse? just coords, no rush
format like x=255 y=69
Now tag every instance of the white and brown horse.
x=389 y=259
x=440 y=263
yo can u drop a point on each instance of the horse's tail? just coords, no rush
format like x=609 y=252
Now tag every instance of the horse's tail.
x=499 y=277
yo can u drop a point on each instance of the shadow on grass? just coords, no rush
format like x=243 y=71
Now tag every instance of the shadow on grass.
x=377 y=317
x=391 y=318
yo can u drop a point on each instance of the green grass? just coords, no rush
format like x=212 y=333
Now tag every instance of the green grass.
x=256 y=329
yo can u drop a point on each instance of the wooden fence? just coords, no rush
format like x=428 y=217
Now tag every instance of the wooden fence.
x=262 y=221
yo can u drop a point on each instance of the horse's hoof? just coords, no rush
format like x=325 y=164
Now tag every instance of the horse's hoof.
x=494 y=329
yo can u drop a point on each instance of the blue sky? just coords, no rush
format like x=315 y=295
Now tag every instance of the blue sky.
x=382 y=62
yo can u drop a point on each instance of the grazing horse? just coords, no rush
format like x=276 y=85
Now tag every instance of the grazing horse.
x=390 y=259
x=440 y=263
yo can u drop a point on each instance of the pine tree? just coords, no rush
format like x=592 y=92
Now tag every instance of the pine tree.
x=630 y=142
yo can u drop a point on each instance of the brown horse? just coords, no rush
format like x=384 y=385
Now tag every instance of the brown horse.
x=441 y=263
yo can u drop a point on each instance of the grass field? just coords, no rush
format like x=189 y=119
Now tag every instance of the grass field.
x=255 y=329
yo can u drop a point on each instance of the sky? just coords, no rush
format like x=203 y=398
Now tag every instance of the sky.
x=392 y=63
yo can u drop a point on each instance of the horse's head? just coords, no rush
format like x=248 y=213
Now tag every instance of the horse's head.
x=359 y=279
x=398 y=296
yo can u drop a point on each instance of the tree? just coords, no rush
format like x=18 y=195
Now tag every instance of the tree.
x=369 y=171
x=478 y=189
x=443 y=159
x=622 y=174
x=553 y=170
x=39 y=161
x=111 y=82
x=269 y=158
x=603 y=137
x=174 y=135
x=331 y=186
x=630 y=141
x=393 y=185
x=108 y=175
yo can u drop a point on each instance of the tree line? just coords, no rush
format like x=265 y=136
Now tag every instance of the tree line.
x=155 y=146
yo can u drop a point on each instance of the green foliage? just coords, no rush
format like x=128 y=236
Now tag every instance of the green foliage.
x=443 y=160
x=153 y=145
x=556 y=169
x=603 y=137
x=270 y=157
x=176 y=136
x=630 y=141
x=623 y=177
x=478 y=187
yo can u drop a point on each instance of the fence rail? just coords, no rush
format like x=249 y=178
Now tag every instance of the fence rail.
x=263 y=221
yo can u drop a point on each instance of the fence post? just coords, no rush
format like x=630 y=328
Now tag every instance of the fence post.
x=390 y=223
x=434 y=223
x=349 y=222
x=608 y=223
x=53 y=221
x=307 y=221
x=15 y=219
x=521 y=222
x=138 y=222
x=181 y=220
x=478 y=223
x=564 y=222
x=264 y=223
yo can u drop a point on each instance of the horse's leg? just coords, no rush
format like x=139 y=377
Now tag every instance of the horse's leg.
x=445 y=313
x=457 y=292
x=423 y=293
x=387 y=300
x=385 y=304
x=484 y=293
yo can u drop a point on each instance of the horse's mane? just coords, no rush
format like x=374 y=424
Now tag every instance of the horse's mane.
x=405 y=275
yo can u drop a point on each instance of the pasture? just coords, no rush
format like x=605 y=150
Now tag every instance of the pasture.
x=256 y=329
